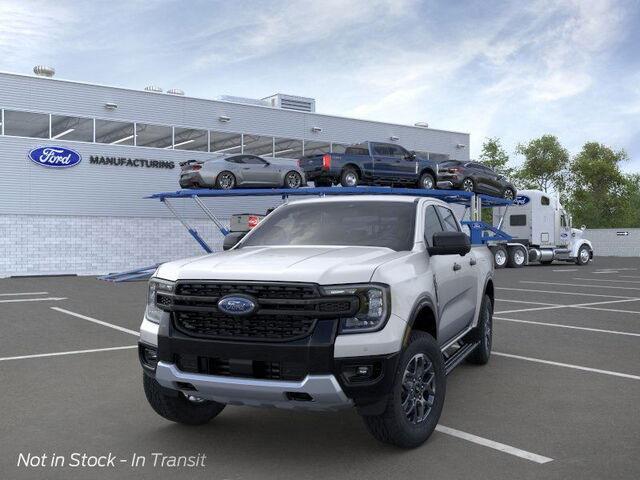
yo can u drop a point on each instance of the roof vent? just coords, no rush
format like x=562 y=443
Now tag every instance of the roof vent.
x=44 y=71
x=175 y=91
x=153 y=88
x=422 y=124
x=292 y=102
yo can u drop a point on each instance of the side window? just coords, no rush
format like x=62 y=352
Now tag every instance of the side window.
x=449 y=222
x=234 y=159
x=397 y=151
x=381 y=150
x=563 y=221
x=253 y=160
x=517 y=220
x=431 y=225
x=544 y=200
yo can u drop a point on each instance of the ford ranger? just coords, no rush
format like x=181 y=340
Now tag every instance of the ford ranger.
x=334 y=302
x=371 y=163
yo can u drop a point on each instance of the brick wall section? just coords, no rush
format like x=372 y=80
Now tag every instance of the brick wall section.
x=83 y=245
x=607 y=241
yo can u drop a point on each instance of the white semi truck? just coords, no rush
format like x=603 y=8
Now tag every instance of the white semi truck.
x=541 y=232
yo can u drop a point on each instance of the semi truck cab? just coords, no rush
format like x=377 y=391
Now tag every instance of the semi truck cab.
x=541 y=227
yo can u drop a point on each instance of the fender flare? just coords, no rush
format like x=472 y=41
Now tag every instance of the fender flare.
x=424 y=300
x=578 y=244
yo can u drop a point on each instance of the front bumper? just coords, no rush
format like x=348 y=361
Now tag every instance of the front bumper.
x=314 y=392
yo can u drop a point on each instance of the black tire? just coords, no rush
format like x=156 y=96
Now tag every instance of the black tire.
x=225 y=180
x=349 y=177
x=427 y=182
x=584 y=255
x=394 y=426
x=509 y=194
x=482 y=333
x=323 y=183
x=178 y=408
x=500 y=256
x=517 y=257
x=468 y=185
x=292 y=180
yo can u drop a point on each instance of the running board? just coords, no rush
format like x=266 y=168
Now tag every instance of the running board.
x=458 y=356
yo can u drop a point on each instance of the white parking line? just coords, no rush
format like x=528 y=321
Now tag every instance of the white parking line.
x=580 y=285
x=47 y=299
x=73 y=352
x=577 y=305
x=95 y=320
x=568 y=365
x=23 y=293
x=564 y=293
x=566 y=270
x=526 y=301
x=533 y=457
x=573 y=327
x=608 y=280
x=614 y=310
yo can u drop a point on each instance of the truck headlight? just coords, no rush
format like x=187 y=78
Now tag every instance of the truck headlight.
x=373 y=311
x=153 y=313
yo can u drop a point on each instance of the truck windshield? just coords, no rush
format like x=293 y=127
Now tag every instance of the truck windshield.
x=349 y=223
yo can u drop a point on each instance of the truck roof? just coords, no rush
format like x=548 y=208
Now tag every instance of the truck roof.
x=366 y=198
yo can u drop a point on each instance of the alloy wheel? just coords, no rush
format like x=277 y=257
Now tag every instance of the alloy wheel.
x=418 y=393
x=293 y=180
x=467 y=185
x=508 y=194
x=500 y=257
x=351 y=179
x=226 y=181
x=584 y=255
x=427 y=182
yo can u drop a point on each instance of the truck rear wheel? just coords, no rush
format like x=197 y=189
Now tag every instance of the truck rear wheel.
x=415 y=403
x=349 y=177
x=427 y=182
x=517 y=257
x=178 y=408
x=500 y=256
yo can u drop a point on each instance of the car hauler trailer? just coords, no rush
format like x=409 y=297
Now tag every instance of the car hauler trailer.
x=540 y=231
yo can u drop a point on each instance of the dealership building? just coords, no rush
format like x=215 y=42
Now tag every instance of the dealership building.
x=92 y=217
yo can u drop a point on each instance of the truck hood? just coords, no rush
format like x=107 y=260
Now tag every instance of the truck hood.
x=322 y=265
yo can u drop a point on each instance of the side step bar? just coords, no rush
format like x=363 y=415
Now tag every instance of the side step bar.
x=453 y=360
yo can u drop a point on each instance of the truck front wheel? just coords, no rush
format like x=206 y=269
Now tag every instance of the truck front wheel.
x=178 y=408
x=584 y=255
x=415 y=403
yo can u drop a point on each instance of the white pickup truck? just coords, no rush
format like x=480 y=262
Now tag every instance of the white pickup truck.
x=347 y=301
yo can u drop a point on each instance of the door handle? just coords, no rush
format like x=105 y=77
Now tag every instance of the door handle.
x=472 y=262
x=456 y=267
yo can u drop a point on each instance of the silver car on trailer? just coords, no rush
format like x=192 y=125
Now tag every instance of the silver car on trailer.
x=241 y=170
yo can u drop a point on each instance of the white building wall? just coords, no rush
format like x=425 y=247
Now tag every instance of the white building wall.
x=614 y=242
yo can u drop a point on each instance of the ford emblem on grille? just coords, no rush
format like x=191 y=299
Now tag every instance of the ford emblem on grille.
x=236 y=305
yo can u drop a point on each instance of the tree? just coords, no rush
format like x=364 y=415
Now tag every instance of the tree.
x=601 y=195
x=494 y=156
x=545 y=164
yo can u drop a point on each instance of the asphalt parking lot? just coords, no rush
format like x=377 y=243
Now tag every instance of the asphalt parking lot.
x=559 y=398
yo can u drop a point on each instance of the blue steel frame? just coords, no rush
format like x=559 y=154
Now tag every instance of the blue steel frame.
x=476 y=228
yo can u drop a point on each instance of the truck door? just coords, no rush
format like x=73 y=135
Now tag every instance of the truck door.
x=383 y=161
x=456 y=285
x=564 y=230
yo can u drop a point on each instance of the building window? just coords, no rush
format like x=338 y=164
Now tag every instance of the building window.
x=114 y=133
x=287 y=148
x=26 y=124
x=316 y=148
x=338 y=147
x=190 y=139
x=71 y=128
x=157 y=136
x=257 y=145
x=225 y=142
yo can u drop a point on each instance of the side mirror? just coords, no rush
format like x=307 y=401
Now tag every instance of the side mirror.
x=410 y=156
x=450 y=243
x=232 y=239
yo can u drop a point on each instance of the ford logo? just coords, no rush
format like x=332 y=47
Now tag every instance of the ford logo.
x=521 y=200
x=55 y=157
x=236 y=305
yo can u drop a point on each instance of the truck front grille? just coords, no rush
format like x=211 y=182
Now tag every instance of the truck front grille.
x=284 y=312
x=256 y=327
x=261 y=369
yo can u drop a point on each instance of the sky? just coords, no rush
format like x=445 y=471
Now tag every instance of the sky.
x=514 y=70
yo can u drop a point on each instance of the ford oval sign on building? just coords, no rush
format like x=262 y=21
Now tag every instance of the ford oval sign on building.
x=55 y=157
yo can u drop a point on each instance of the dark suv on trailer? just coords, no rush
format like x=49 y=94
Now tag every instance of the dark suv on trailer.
x=474 y=177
